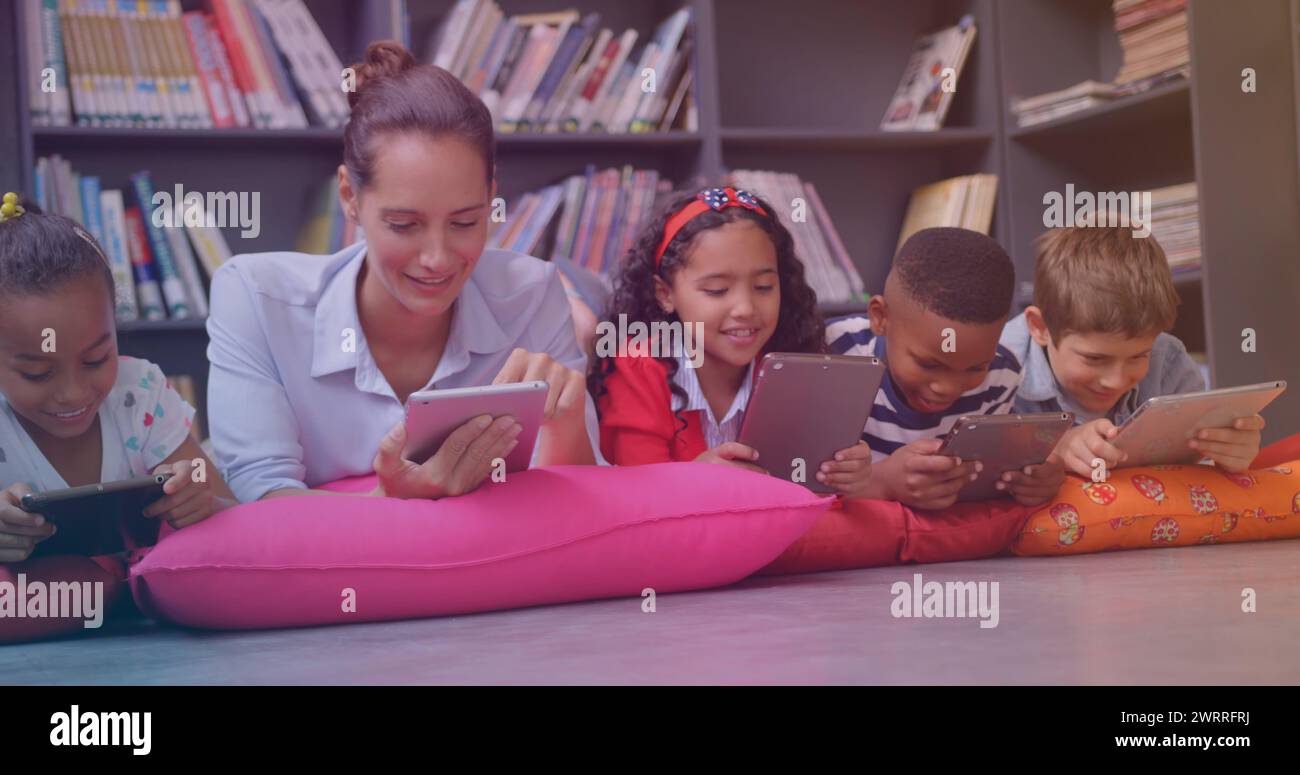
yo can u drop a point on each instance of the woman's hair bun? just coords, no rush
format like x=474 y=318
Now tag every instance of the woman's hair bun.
x=384 y=59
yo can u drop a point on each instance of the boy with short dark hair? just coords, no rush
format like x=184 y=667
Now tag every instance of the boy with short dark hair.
x=937 y=326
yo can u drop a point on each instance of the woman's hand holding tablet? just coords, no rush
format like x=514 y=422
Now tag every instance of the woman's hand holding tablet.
x=459 y=466
x=453 y=439
x=563 y=437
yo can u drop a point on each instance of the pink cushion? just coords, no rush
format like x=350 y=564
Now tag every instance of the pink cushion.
x=547 y=535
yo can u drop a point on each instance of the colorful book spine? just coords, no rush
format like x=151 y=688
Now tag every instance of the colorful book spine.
x=287 y=105
x=148 y=291
x=37 y=102
x=118 y=251
x=210 y=246
x=214 y=91
x=182 y=64
x=59 y=100
x=239 y=102
x=173 y=287
x=188 y=268
x=225 y=14
x=90 y=207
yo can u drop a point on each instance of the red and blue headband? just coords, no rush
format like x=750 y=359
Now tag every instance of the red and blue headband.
x=716 y=199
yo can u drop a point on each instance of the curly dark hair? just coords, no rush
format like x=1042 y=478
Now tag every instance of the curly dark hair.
x=957 y=274
x=799 y=327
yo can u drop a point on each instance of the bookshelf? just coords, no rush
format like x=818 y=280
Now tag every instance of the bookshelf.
x=801 y=88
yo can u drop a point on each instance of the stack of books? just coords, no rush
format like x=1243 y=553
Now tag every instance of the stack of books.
x=930 y=79
x=1175 y=223
x=144 y=63
x=1045 y=107
x=561 y=72
x=828 y=268
x=590 y=220
x=964 y=202
x=1153 y=36
x=158 y=256
x=327 y=230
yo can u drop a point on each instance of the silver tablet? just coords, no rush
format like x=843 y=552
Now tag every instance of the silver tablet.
x=432 y=415
x=807 y=407
x=1159 y=430
x=1003 y=442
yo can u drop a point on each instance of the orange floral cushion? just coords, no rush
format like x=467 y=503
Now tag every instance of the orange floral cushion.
x=1177 y=505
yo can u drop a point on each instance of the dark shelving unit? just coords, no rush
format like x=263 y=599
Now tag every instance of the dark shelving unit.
x=801 y=87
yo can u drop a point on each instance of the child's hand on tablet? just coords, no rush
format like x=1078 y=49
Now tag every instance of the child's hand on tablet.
x=459 y=466
x=20 y=531
x=185 y=501
x=732 y=453
x=850 y=472
x=1232 y=449
x=918 y=477
x=1080 y=446
x=1035 y=484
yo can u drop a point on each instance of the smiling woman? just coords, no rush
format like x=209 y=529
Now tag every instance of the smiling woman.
x=313 y=358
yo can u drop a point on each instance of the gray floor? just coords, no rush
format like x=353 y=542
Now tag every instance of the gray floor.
x=1157 y=616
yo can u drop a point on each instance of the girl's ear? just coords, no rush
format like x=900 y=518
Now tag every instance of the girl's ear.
x=664 y=295
x=1037 y=326
x=878 y=312
x=347 y=196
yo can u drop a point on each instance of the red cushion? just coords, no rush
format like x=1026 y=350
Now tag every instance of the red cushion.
x=1278 y=452
x=871 y=533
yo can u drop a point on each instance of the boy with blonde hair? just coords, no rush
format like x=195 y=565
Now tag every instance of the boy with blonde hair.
x=1095 y=343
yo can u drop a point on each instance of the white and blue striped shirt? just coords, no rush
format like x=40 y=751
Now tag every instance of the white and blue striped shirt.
x=893 y=423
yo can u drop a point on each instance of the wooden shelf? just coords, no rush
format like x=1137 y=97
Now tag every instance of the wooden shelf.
x=602 y=139
x=73 y=136
x=316 y=137
x=1170 y=101
x=197 y=325
x=837 y=308
x=850 y=139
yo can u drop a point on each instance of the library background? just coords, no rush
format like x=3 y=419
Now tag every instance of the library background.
x=939 y=112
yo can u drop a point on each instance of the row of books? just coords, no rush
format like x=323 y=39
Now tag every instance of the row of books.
x=590 y=220
x=158 y=268
x=144 y=63
x=929 y=80
x=964 y=202
x=828 y=268
x=1153 y=37
x=1175 y=223
x=562 y=72
x=327 y=230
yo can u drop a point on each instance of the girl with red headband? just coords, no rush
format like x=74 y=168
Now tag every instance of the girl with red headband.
x=717 y=262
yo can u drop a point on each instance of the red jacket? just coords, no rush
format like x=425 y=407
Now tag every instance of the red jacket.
x=637 y=424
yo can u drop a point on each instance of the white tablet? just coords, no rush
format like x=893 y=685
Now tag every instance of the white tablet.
x=1159 y=430
x=432 y=415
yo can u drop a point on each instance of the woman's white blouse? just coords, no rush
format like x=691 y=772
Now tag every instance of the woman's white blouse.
x=295 y=398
